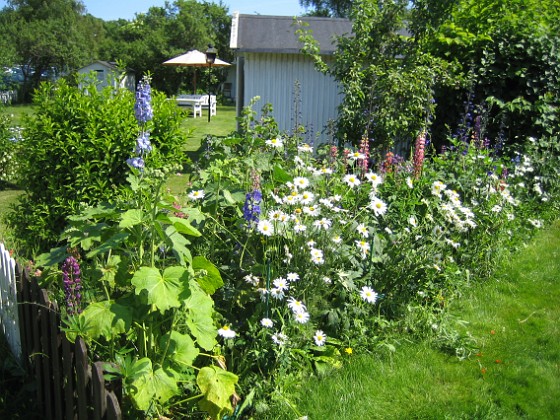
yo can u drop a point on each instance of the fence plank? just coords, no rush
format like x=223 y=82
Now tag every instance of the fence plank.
x=68 y=381
x=83 y=375
x=56 y=357
x=36 y=352
x=47 y=357
x=98 y=384
x=113 y=407
x=9 y=313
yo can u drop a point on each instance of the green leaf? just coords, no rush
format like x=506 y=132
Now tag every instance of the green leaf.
x=163 y=291
x=109 y=270
x=131 y=218
x=217 y=386
x=280 y=175
x=207 y=275
x=229 y=198
x=107 y=319
x=112 y=243
x=184 y=226
x=178 y=245
x=180 y=349
x=148 y=385
x=200 y=309
x=53 y=257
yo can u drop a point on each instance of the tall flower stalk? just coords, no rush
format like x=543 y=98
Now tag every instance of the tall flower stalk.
x=72 y=285
x=144 y=113
x=419 y=153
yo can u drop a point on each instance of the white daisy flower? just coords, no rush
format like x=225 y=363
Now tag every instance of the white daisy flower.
x=324 y=224
x=279 y=338
x=378 y=206
x=292 y=277
x=265 y=228
x=251 y=279
x=302 y=317
x=277 y=293
x=196 y=195
x=267 y=323
x=298 y=228
x=296 y=305
x=437 y=188
x=374 y=178
x=305 y=148
x=306 y=198
x=356 y=156
x=496 y=209
x=363 y=230
x=336 y=239
x=226 y=332
x=351 y=180
x=311 y=210
x=412 y=221
x=320 y=337
x=276 y=143
x=368 y=294
x=409 y=182
x=327 y=280
x=364 y=247
x=281 y=283
x=301 y=182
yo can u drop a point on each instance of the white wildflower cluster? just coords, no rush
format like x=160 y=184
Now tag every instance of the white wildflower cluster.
x=460 y=217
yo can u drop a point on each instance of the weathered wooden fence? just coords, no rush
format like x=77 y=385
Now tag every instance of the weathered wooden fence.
x=68 y=385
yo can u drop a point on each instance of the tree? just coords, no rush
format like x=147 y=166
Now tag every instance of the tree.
x=53 y=36
x=386 y=78
x=506 y=66
x=328 y=8
x=144 y=43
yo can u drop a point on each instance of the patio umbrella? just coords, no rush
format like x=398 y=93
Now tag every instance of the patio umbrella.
x=194 y=58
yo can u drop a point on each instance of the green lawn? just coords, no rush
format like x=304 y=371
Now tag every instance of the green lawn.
x=514 y=319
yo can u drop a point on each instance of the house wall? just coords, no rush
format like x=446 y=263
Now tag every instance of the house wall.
x=106 y=76
x=273 y=78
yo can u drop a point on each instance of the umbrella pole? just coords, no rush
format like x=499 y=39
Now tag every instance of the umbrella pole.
x=194 y=82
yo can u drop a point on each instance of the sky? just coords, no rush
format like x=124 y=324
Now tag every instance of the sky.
x=126 y=9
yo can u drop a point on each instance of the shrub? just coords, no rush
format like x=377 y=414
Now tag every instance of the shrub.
x=9 y=138
x=74 y=151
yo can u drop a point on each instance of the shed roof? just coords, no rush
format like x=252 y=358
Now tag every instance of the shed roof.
x=259 y=33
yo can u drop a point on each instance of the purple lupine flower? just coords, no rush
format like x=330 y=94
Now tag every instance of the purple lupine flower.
x=72 y=285
x=419 y=154
x=143 y=144
x=143 y=106
x=252 y=207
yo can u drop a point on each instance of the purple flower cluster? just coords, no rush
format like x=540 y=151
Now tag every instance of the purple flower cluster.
x=72 y=285
x=252 y=207
x=144 y=113
x=143 y=106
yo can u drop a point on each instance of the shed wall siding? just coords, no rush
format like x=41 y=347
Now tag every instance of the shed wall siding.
x=273 y=78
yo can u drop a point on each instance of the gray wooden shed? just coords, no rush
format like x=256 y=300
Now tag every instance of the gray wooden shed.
x=269 y=64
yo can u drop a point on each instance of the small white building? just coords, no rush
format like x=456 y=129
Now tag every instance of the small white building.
x=269 y=64
x=108 y=74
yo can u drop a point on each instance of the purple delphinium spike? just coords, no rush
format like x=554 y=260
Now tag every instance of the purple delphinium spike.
x=72 y=285
x=143 y=106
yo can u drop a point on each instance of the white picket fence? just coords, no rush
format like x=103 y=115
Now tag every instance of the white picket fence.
x=9 y=318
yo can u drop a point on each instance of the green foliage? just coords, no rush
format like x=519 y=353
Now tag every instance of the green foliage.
x=9 y=144
x=147 y=294
x=387 y=80
x=76 y=146
x=504 y=57
x=168 y=31
x=47 y=36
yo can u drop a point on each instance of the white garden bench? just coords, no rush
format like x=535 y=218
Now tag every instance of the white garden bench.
x=197 y=102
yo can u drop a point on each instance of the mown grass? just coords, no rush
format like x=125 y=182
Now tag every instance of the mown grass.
x=514 y=319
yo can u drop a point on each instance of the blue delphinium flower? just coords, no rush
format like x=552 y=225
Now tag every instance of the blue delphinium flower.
x=143 y=106
x=136 y=162
x=252 y=207
x=143 y=144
